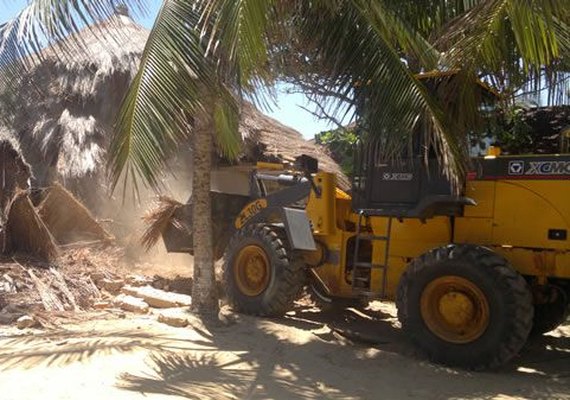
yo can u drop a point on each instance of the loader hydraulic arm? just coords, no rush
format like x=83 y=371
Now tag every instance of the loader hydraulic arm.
x=295 y=189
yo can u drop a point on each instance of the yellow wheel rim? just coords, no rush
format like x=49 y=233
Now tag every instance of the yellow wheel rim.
x=252 y=270
x=455 y=309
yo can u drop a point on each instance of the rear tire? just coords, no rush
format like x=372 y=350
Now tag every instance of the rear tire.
x=281 y=280
x=482 y=309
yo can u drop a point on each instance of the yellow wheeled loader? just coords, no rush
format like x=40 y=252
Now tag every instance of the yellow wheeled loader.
x=472 y=274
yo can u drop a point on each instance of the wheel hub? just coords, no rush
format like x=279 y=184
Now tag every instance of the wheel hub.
x=252 y=270
x=455 y=309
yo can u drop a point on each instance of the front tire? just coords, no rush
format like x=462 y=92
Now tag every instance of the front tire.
x=262 y=274
x=465 y=306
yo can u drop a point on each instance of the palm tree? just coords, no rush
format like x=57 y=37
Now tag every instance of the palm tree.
x=514 y=44
x=203 y=54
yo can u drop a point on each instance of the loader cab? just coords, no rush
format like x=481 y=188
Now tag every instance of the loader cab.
x=410 y=186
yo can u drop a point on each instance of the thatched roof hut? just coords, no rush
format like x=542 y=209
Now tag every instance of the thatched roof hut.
x=66 y=107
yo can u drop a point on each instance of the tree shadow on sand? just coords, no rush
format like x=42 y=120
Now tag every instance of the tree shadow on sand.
x=355 y=354
x=58 y=348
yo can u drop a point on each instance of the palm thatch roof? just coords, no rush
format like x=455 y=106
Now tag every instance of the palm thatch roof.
x=10 y=142
x=66 y=107
x=15 y=173
x=266 y=139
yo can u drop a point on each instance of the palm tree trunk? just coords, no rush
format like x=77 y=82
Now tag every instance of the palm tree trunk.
x=204 y=297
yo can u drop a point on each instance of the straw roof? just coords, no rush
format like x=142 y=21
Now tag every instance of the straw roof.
x=266 y=139
x=65 y=126
x=65 y=108
x=8 y=140
x=14 y=170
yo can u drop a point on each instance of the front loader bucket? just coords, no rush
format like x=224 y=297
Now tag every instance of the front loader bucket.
x=177 y=236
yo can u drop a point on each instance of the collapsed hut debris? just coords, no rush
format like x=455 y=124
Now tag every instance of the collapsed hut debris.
x=88 y=279
x=60 y=219
x=22 y=230
x=25 y=232
x=172 y=221
x=77 y=284
x=160 y=219
x=68 y=220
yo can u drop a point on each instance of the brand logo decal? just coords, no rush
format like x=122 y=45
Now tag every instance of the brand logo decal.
x=516 y=168
x=549 y=168
x=539 y=168
x=398 y=176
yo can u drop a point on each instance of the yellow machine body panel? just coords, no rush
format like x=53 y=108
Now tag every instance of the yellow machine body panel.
x=516 y=214
x=525 y=212
x=520 y=219
x=527 y=221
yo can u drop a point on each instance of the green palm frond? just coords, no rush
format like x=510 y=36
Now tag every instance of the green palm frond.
x=238 y=29
x=205 y=49
x=517 y=45
x=516 y=40
x=428 y=16
x=226 y=120
x=167 y=90
x=357 y=42
x=382 y=17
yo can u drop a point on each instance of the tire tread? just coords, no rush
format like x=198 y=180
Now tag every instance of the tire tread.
x=518 y=301
x=287 y=285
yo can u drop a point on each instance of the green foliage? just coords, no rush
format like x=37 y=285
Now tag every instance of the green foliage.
x=519 y=130
x=513 y=134
x=166 y=86
x=340 y=143
x=202 y=54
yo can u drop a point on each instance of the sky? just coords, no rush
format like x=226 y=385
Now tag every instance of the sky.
x=287 y=110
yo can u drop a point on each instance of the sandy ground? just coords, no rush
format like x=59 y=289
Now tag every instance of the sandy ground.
x=301 y=356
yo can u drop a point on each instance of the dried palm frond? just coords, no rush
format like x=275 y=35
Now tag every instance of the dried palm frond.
x=68 y=220
x=26 y=232
x=159 y=219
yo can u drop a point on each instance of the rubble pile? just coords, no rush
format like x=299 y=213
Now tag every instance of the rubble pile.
x=86 y=279
x=29 y=287
x=57 y=260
